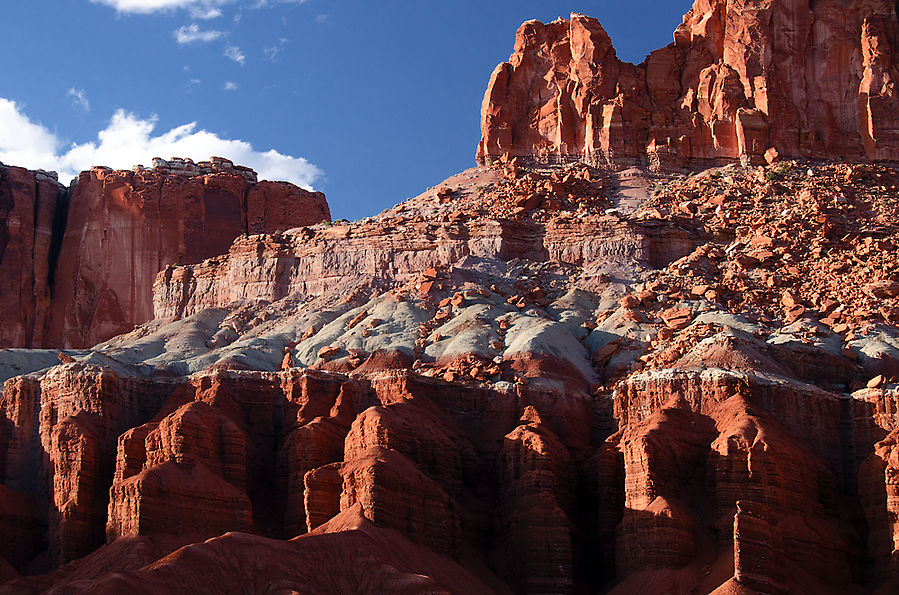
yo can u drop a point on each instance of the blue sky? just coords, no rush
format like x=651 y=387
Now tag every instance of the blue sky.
x=370 y=102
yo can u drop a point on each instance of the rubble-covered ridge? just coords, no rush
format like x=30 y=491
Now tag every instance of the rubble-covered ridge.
x=791 y=240
x=807 y=79
x=186 y=167
x=583 y=378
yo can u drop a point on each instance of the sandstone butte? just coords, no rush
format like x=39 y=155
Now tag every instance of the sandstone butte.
x=542 y=376
x=78 y=263
x=808 y=79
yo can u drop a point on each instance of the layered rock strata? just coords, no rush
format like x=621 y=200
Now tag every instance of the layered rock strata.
x=722 y=474
x=314 y=263
x=31 y=204
x=583 y=394
x=533 y=378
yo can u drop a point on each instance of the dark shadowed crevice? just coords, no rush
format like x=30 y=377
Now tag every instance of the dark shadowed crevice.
x=60 y=218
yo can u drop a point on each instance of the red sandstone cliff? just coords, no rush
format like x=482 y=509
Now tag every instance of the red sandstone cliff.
x=538 y=378
x=80 y=263
x=30 y=205
x=808 y=79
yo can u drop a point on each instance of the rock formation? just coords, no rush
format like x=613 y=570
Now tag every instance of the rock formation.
x=807 y=79
x=537 y=377
x=594 y=391
x=80 y=262
x=31 y=204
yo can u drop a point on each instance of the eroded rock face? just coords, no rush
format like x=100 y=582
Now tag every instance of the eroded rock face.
x=385 y=252
x=711 y=469
x=30 y=203
x=538 y=478
x=262 y=452
x=349 y=554
x=808 y=79
x=879 y=492
x=683 y=385
x=82 y=409
x=79 y=264
x=722 y=484
x=125 y=227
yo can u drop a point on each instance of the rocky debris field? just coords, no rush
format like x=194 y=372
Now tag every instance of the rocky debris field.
x=512 y=374
x=790 y=240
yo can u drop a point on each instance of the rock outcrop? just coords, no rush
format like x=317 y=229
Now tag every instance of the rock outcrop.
x=534 y=378
x=79 y=263
x=585 y=394
x=398 y=248
x=741 y=78
x=31 y=206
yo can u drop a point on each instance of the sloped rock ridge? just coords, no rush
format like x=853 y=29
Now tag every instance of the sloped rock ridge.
x=741 y=78
x=516 y=382
x=78 y=263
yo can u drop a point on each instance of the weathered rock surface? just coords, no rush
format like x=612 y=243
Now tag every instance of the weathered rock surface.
x=535 y=377
x=538 y=481
x=31 y=204
x=879 y=493
x=398 y=249
x=348 y=555
x=78 y=264
x=582 y=399
x=807 y=79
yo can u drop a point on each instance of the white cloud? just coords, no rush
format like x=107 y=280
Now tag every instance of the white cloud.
x=193 y=33
x=233 y=52
x=272 y=52
x=197 y=8
x=23 y=142
x=205 y=13
x=128 y=139
x=230 y=86
x=79 y=98
x=266 y=3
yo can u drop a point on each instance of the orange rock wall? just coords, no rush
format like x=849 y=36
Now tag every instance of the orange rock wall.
x=29 y=203
x=78 y=264
x=809 y=79
x=709 y=478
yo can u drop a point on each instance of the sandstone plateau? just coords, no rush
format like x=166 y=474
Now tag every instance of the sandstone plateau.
x=551 y=373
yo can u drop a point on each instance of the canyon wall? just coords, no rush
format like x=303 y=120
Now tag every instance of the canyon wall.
x=79 y=263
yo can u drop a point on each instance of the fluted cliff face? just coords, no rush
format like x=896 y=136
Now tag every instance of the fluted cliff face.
x=80 y=263
x=30 y=206
x=809 y=79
